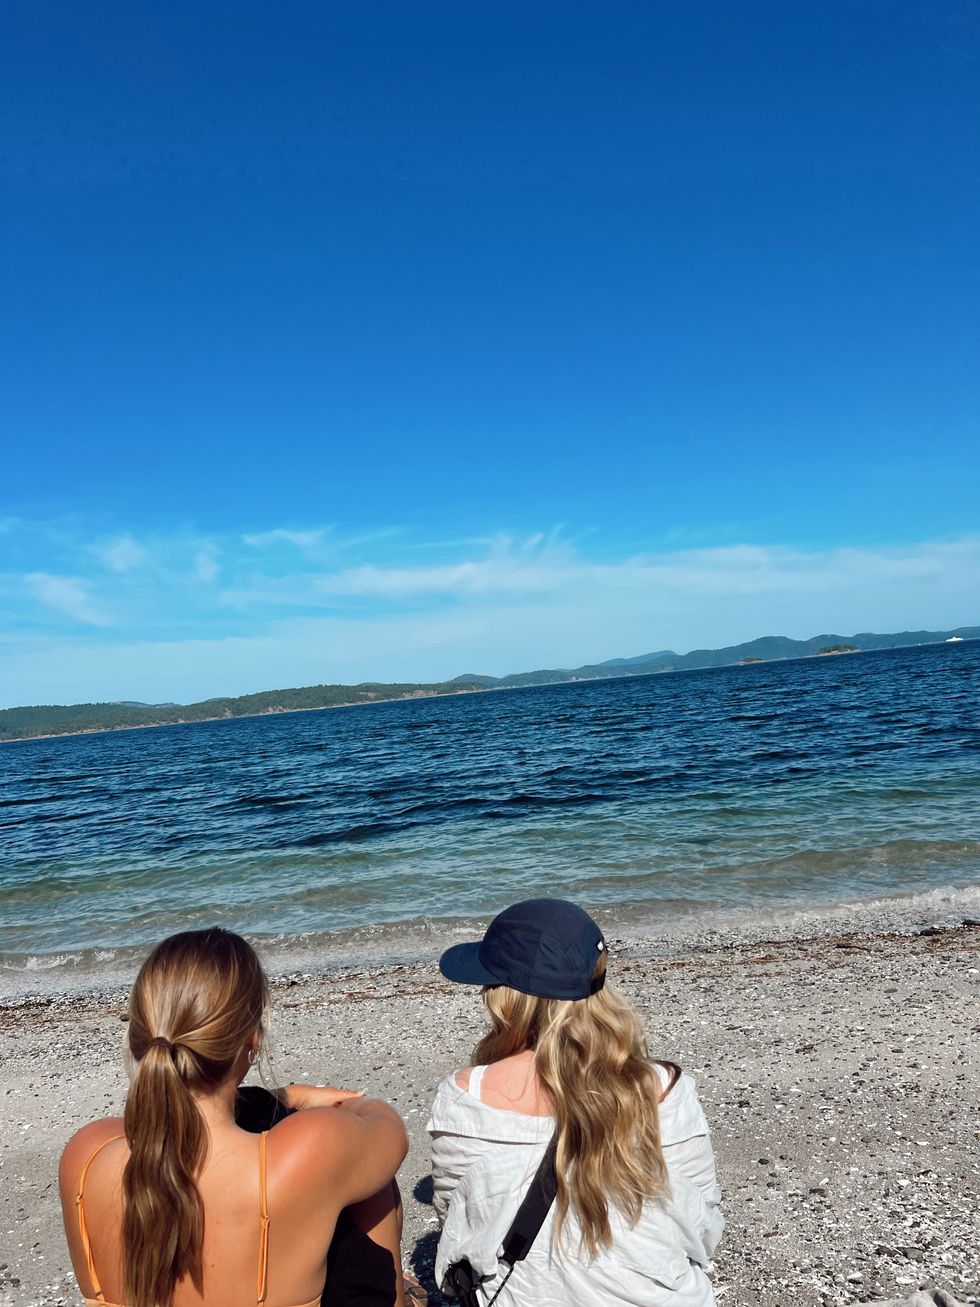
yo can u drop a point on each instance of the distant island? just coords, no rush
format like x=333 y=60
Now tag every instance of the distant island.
x=82 y=718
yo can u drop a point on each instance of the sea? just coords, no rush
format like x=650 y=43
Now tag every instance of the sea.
x=769 y=797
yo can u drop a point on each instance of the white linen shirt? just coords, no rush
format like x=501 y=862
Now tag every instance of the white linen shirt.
x=483 y=1161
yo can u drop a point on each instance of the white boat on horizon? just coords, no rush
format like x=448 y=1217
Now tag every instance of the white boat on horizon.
x=955 y=639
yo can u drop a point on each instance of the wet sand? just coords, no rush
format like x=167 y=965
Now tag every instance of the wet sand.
x=840 y=1075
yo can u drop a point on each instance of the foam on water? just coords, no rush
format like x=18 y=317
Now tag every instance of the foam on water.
x=669 y=930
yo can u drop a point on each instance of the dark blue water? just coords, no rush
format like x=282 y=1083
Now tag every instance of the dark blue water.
x=818 y=780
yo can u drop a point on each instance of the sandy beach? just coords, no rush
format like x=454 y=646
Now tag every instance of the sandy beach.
x=839 y=1074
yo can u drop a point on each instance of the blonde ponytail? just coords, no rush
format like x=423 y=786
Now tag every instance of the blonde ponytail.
x=198 y=999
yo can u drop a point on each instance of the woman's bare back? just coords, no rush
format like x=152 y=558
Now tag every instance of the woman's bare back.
x=311 y=1157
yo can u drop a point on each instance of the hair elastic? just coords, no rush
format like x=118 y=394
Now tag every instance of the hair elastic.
x=161 y=1041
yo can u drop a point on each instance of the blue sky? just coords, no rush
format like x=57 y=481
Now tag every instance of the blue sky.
x=392 y=341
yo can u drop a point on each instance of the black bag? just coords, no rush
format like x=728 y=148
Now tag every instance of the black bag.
x=461 y=1281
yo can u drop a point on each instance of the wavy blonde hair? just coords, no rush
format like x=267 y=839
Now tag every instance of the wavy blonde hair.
x=198 y=1000
x=590 y=1055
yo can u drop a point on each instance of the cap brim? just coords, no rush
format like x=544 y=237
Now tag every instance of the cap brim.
x=462 y=964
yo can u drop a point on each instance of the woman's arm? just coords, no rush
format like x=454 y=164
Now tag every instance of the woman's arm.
x=452 y=1157
x=295 y=1098
x=258 y=1108
x=375 y=1146
x=689 y=1156
x=452 y=1153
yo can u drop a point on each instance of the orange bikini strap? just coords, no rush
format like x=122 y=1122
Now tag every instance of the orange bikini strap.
x=83 y=1225
x=264 y=1224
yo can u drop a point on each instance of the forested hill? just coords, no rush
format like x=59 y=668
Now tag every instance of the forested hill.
x=73 y=719
x=765 y=649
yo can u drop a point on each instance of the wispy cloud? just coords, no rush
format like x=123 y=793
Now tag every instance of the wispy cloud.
x=66 y=594
x=282 y=535
x=503 y=576
x=545 y=566
x=206 y=566
x=537 y=564
x=121 y=554
x=320 y=541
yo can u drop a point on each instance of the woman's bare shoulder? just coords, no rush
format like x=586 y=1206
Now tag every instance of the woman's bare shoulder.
x=495 y=1073
x=314 y=1138
x=306 y=1125
x=462 y=1077
x=83 y=1144
x=338 y=1154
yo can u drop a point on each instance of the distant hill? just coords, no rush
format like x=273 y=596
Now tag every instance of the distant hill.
x=138 y=703
x=79 y=718
x=766 y=649
x=667 y=654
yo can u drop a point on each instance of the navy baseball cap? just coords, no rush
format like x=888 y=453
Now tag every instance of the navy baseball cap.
x=545 y=947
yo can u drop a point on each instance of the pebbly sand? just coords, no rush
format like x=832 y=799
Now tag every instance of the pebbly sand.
x=841 y=1075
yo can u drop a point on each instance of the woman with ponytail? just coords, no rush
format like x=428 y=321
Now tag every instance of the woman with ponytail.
x=635 y=1215
x=176 y=1205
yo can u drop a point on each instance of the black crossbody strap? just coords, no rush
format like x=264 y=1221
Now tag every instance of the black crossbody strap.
x=534 y=1208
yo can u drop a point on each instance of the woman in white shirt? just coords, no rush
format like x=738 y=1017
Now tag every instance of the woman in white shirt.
x=636 y=1217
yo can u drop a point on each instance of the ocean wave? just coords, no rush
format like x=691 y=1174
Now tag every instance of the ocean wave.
x=668 y=927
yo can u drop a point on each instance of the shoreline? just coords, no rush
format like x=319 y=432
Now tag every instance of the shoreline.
x=688 y=953
x=452 y=694
x=838 y=1074
x=98 y=972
